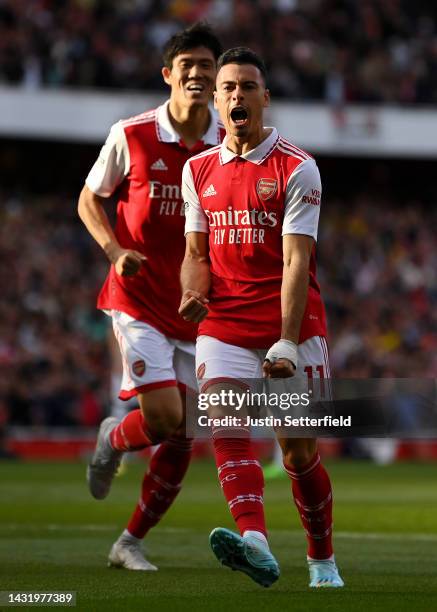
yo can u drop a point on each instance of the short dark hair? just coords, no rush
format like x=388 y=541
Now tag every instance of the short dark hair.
x=242 y=55
x=198 y=35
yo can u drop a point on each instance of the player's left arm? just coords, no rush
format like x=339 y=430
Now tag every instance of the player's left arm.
x=294 y=292
x=301 y=217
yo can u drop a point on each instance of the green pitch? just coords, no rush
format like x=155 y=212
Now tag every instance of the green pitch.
x=53 y=536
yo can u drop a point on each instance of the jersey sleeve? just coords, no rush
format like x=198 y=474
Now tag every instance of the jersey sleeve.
x=302 y=200
x=112 y=165
x=195 y=218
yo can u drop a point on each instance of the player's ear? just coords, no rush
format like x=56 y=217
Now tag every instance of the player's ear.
x=166 y=72
x=266 y=98
x=215 y=99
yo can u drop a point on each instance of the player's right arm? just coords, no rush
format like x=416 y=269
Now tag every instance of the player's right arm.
x=110 y=169
x=195 y=278
x=195 y=272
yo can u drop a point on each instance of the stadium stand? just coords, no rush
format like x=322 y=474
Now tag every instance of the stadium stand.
x=52 y=340
x=378 y=51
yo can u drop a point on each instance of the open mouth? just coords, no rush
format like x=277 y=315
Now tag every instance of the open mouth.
x=239 y=115
x=196 y=87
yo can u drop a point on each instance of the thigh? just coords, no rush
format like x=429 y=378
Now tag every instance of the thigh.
x=184 y=362
x=217 y=361
x=147 y=356
x=162 y=409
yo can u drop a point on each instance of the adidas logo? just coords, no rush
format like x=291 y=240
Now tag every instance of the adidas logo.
x=158 y=165
x=209 y=192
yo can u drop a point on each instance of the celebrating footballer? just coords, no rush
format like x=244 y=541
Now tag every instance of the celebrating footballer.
x=141 y=162
x=249 y=278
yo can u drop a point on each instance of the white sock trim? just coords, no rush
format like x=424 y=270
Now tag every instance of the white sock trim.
x=126 y=536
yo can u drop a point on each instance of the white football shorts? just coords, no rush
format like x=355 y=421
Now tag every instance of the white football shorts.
x=150 y=359
x=217 y=361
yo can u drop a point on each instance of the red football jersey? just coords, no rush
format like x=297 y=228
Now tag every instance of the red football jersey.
x=142 y=159
x=247 y=203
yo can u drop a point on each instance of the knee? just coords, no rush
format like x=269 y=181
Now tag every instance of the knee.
x=298 y=453
x=163 y=426
x=163 y=417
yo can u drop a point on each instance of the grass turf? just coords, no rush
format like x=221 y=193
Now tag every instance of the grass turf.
x=53 y=536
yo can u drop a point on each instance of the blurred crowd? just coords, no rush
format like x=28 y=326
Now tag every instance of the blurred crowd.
x=377 y=267
x=53 y=357
x=378 y=271
x=370 y=51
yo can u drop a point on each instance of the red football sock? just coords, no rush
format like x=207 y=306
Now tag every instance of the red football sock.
x=242 y=481
x=161 y=484
x=131 y=433
x=312 y=494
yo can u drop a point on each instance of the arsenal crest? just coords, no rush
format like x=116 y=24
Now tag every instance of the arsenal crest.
x=139 y=367
x=266 y=188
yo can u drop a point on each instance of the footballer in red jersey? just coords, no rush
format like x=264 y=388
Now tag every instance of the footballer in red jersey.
x=249 y=279
x=141 y=164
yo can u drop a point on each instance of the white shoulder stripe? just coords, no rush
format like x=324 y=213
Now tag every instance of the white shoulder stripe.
x=129 y=122
x=292 y=153
x=293 y=147
x=296 y=150
x=148 y=113
x=144 y=117
x=291 y=144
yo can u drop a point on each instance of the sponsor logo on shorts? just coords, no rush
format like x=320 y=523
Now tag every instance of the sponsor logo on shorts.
x=266 y=188
x=201 y=370
x=139 y=367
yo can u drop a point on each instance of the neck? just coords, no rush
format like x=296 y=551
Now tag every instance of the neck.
x=244 y=144
x=190 y=123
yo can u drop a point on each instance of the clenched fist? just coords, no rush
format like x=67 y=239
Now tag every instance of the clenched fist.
x=127 y=262
x=193 y=306
x=281 y=360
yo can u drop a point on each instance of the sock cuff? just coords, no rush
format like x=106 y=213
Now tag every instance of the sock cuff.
x=128 y=537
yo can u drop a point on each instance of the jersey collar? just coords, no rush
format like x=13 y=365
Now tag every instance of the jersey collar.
x=256 y=155
x=167 y=133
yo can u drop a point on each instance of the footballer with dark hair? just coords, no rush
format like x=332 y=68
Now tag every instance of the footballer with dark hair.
x=249 y=279
x=141 y=163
